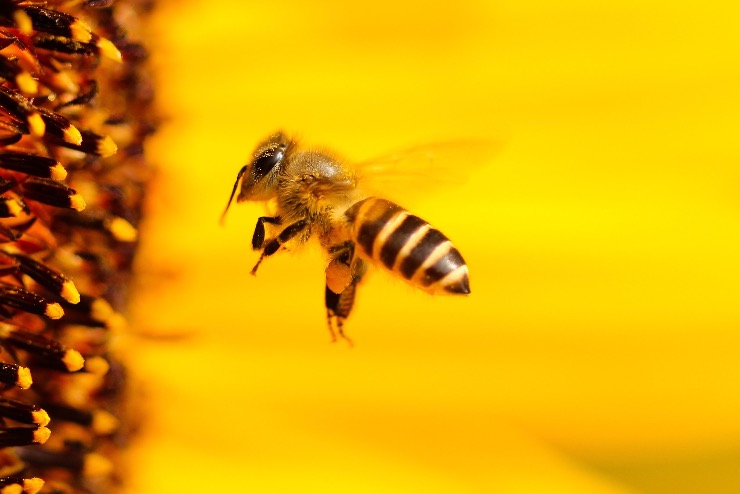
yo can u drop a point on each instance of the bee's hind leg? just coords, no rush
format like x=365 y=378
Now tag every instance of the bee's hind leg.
x=339 y=269
x=286 y=235
x=339 y=305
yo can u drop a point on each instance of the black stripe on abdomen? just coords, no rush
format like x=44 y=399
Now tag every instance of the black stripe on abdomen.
x=398 y=239
x=372 y=216
x=447 y=264
x=371 y=226
x=421 y=251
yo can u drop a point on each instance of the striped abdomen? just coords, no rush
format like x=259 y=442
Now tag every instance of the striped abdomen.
x=408 y=246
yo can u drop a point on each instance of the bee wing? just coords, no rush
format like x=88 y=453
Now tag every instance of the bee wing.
x=424 y=169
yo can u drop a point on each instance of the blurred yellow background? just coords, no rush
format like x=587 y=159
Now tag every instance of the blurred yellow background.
x=598 y=352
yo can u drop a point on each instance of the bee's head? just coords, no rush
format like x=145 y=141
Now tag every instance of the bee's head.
x=260 y=175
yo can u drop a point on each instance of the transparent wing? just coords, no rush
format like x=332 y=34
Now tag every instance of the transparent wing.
x=425 y=169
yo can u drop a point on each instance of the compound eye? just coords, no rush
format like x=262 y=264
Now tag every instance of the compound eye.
x=266 y=161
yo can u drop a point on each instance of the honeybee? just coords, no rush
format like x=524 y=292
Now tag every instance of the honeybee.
x=317 y=195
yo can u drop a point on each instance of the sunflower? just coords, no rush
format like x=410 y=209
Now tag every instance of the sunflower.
x=74 y=98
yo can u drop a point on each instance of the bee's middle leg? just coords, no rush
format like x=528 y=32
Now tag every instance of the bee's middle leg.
x=287 y=234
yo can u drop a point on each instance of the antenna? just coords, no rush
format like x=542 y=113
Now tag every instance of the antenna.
x=233 y=191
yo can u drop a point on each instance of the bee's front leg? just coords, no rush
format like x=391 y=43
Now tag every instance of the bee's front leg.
x=287 y=234
x=258 y=238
